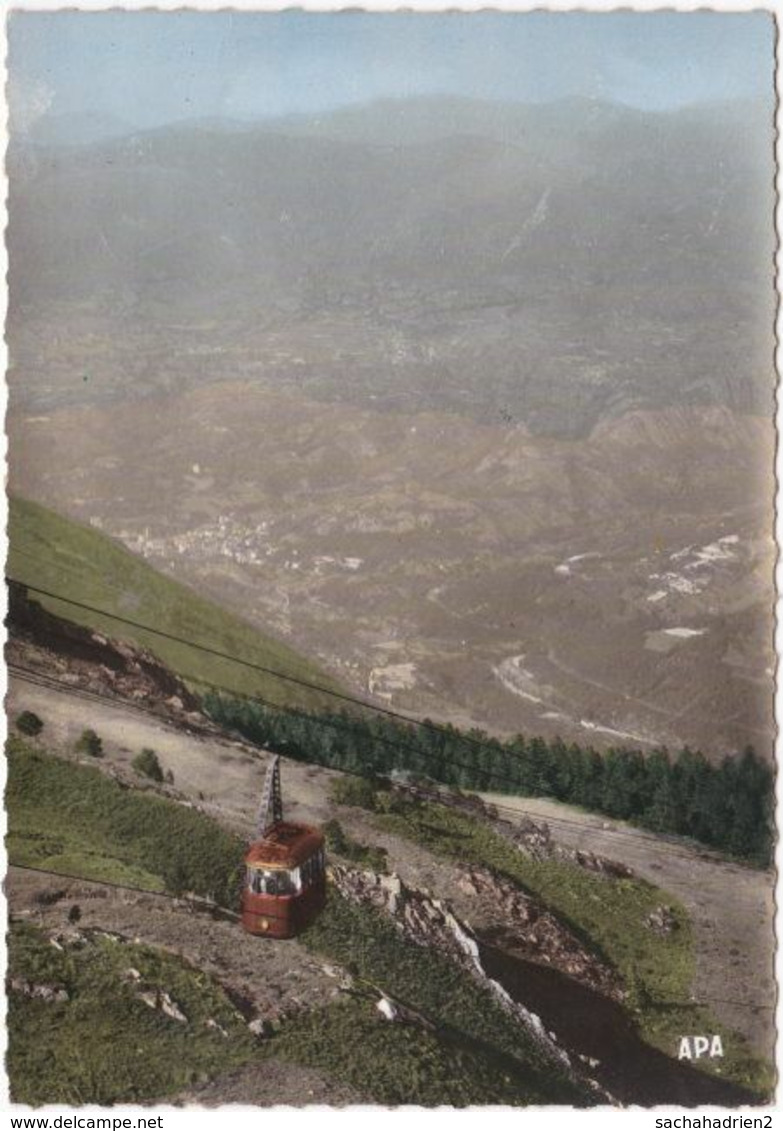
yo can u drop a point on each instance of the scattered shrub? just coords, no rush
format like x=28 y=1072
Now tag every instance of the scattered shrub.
x=29 y=723
x=390 y=801
x=176 y=876
x=369 y=856
x=360 y=792
x=146 y=763
x=90 y=743
x=49 y=896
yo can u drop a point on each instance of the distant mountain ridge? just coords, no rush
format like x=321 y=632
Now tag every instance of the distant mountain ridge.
x=557 y=263
x=402 y=121
x=75 y=129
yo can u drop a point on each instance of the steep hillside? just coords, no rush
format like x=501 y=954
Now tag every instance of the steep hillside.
x=54 y=552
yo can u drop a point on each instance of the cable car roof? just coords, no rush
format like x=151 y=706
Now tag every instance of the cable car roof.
x=284 y=845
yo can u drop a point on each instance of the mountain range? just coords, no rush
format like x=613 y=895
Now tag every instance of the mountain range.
x=553 y=263
x=471 y=403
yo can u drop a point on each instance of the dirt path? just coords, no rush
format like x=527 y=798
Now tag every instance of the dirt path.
x=267 y=978
x=731 y=909
x=225 y=778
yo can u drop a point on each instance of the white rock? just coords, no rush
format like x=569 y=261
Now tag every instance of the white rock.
x=386 y=1009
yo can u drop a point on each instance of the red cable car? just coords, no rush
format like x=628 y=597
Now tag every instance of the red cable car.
x=285 y=869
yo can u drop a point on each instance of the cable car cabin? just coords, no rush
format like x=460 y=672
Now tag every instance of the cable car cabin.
x=285 y=881
x=285 y=869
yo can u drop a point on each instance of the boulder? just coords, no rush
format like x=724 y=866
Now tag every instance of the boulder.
x=43 y=991
x=662 y=920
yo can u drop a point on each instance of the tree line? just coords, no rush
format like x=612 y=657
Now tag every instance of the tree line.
x=728 y=806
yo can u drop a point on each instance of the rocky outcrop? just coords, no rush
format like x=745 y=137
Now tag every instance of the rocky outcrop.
x=81 y=657
x=421 y=919
x=431 y=923
x=537 y=935
x=662 y=920
x=535 y=839
x=163 y=1002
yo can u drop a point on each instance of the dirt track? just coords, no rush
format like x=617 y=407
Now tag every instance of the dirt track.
x=266 y=978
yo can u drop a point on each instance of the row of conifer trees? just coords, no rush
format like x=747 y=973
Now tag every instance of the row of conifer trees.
x=727 y=805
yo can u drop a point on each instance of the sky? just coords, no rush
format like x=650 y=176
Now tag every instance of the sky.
x=148 y=68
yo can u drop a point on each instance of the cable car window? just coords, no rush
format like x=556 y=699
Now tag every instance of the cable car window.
x=279 y=882
x=310 y=870
x=275 y=881
x=313 y=868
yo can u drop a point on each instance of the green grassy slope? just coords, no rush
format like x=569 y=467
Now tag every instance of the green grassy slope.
x=474 y=1054
x=73 y=819
x=104 y=1045
x=63 y=556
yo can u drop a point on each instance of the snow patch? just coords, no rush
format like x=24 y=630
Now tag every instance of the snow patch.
x=565 y=567
x=719 y=551
x=697 y=562
x=610 y=730
x=581 y=557
x=676 y=583
x=683 y=584
x=323 y=560
x=516 y=679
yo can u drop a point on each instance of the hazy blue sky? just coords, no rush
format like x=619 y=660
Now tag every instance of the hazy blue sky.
x=148 y=68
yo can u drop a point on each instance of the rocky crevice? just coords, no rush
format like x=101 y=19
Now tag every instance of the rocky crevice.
x=431 y=923
x=537 y=935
